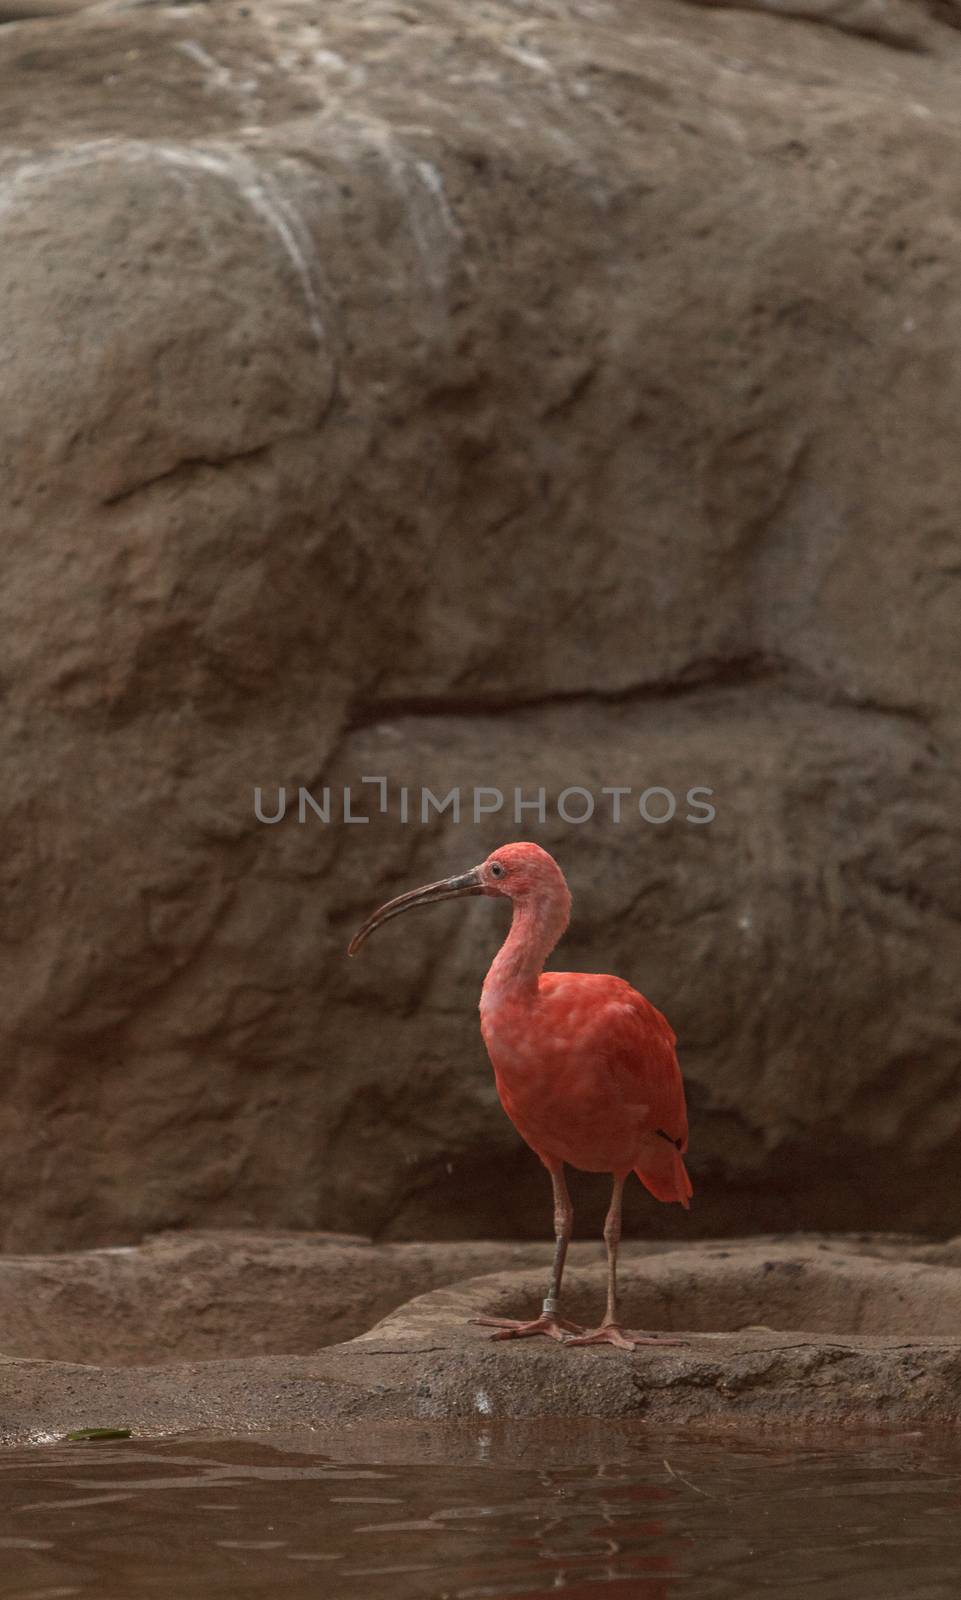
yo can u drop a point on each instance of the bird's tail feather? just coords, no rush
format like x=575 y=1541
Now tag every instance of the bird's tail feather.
x=668 y=1181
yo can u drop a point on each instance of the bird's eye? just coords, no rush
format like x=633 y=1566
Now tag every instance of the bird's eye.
x=497 y=871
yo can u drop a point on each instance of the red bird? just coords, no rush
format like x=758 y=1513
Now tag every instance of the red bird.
x=585 y=1067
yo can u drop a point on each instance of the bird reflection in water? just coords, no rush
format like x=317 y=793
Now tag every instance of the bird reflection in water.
x=584 y=1561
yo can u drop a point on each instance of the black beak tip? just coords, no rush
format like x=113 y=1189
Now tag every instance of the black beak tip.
x=446 y=889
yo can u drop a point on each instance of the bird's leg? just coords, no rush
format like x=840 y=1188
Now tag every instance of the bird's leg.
x=548 y=1322
x=610 y=1330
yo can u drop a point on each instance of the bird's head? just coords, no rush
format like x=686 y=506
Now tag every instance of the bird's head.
x=520 y=871
x=523 y=873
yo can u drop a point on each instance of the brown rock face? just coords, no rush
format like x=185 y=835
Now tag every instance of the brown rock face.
x=513 y=399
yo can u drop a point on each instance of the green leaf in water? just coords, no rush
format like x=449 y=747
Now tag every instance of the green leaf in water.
x=80 y=1435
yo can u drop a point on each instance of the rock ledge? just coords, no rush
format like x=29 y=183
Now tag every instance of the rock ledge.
x=790 y=1331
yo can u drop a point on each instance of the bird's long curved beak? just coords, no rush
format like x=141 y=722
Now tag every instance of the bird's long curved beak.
x=445 y=889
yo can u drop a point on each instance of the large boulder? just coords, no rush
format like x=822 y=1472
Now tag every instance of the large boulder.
x=502 y=398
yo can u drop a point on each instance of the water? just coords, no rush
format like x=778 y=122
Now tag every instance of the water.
x=586 y=1511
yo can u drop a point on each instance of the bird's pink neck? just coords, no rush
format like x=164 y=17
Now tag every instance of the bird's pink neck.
x=535 y=929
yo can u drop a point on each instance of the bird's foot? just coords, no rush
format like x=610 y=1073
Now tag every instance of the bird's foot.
x=621 y=1338
x=548 y=1323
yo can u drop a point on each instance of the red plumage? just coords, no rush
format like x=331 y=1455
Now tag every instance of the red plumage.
x=585 y=1066
x=587 y=1072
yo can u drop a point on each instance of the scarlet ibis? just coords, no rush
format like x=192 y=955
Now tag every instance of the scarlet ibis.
x=585 y=1068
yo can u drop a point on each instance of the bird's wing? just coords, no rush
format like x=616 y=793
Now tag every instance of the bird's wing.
x=636 y=1044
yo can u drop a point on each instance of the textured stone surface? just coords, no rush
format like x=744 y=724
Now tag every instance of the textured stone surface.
x=203 y=1296
x=904 y=24
x=530 y=396
x=795 y=1331
x=229 y=1294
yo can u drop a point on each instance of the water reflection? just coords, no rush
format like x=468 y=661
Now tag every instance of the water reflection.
x=523 y=1511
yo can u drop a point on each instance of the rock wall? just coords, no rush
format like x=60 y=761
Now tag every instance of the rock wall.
x=549 y=396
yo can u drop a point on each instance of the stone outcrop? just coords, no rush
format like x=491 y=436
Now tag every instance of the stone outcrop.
x=227 y=1295
x=787 y=1332
x=513 y=396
